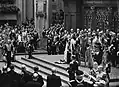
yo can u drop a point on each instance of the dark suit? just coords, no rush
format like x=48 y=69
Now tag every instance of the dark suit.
x=73 y=67
x=53 y=81
x=98 y=58
x=30 y=50
x=82 y=84
x=35 y=36
x=26 y=76
x=14 y=78
x=4 y=80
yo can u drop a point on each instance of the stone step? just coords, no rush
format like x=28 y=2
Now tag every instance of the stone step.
x=42 y=70
x=114 y=84
x=46 y=63
x=35 y=52
x=64 y=67
x=18 y=70
x=47 y=66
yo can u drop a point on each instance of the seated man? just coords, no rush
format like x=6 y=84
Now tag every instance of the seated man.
x=101 y=77
x=93 y=71
x=98 y=76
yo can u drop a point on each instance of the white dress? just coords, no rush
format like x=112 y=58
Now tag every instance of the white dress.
x=65 y=52
x=1 y=51
x=72 y=45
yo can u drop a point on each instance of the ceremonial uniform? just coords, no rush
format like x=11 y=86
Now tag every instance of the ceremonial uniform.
x=35 y=36
x=117 y=50
x=8 y=53
x=30 y=50
x=49 y=42
x=113 y=51
x=72 y=69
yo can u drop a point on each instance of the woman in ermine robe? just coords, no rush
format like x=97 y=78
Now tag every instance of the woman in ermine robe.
x=66 y=50
x=104 y=57
x=88 y=56
x=67 y=54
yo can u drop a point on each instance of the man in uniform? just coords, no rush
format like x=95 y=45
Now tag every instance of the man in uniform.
x=49 y=45
x=35 y=38
x=8 y=52
x=73 y=68
x=30 y=50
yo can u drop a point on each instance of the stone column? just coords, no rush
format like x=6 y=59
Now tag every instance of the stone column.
x=49 y=12
x=35 y=19
x=29 y=9
x=19 y=14
x=23 y=10
x=66 y=14
x=79 y=14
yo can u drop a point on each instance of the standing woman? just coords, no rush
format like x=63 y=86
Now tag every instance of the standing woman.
x=67 y=51
x=88 y=56
x=1 y=49
x=104 y=56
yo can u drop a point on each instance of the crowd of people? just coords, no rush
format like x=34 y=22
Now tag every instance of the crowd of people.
x=56 y=42
x=91 y=45
x=99 y=47
x=18 y=38
x=10 y=78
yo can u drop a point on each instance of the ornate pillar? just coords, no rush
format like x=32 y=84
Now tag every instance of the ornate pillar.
x=35 y=19
x=49 y=11
x=79 y=14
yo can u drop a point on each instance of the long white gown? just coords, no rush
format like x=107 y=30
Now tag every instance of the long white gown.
x=1 y=51
x=65 y=52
